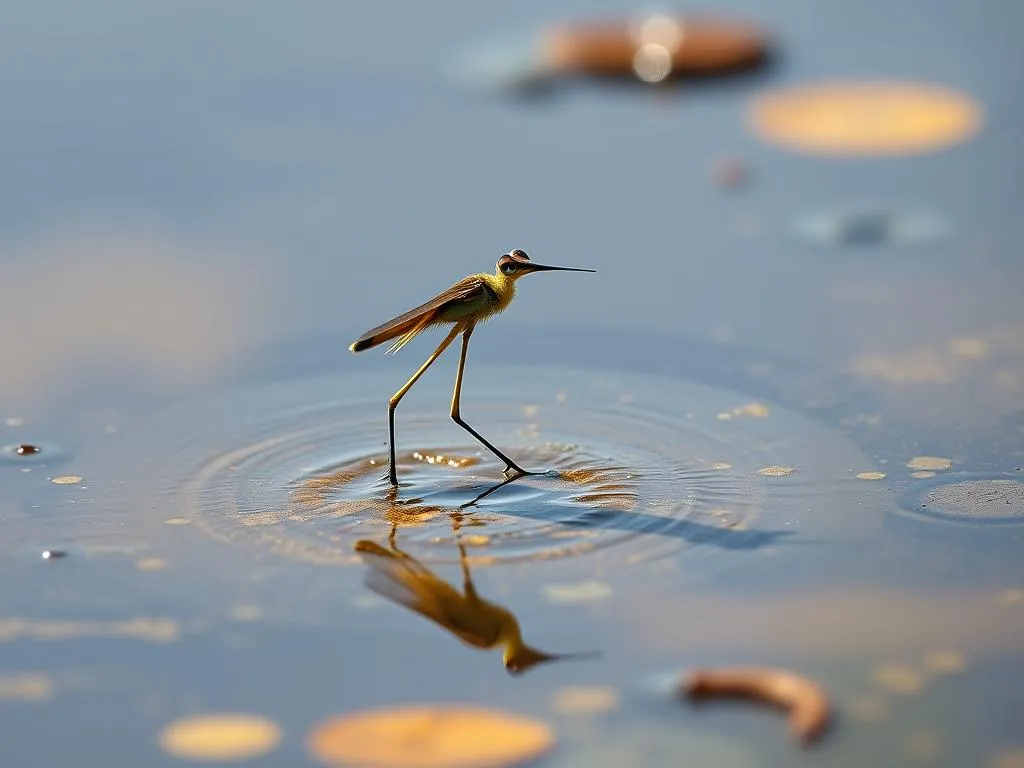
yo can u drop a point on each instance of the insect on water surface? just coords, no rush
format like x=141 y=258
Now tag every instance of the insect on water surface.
x=468 y=302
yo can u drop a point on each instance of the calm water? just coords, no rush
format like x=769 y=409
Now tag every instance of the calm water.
x=762 y=446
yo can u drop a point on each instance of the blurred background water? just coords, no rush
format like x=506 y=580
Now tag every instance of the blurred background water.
x=202 y=205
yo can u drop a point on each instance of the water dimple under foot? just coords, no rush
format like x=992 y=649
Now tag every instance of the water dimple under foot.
x=637 y=467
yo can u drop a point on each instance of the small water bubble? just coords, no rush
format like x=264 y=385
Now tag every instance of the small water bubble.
x=53 y=554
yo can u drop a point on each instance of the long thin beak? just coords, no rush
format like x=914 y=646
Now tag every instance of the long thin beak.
x=543 y=268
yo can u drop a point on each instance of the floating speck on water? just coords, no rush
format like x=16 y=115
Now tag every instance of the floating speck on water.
x=864 y=119
x=730 y=172
x=585 y=700
x=14 y=421
x=1011 y=596
x=246 y=613
x=177 y=521
x=870 y=226
x=967 y=347
x=720 y=465
x=584 y=592
x=945 y=661
x=151 y=564
x=26 y=687
x=221 y=737
x=981 y=500
x=868 y=708
x=871 y=475
x=27 y=450
x=923 y=474
x=531 y=411
x=67 y=480
x=923 y=745
x=776 y=471
x=1012 y=757
x=429 y=736
x=898 y=678
x=53 y=554
x=929 y=463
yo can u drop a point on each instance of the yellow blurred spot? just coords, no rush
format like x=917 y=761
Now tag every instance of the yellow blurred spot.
x=922 y=475
x=929 y=463
x=583 y=592
x=246 y=613
x=151 y=564
x=260 y=518
x=67 y=480
x=757 y=410
x=850 y=118
x=429 y=736
x=27 y=687
x=1007 y=758
x=721 y=465
x=867 y=708
x=153 y=630
x=776 y=471
x=923 y=745
x=871 y=475
x=1011 y=596
x=177 y=521
x=220 y=738
x=945 y=661
x=898 y=678
x=531 y=411
x=586 y=700
x=968 y=347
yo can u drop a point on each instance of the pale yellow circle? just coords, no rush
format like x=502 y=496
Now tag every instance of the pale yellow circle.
x=220 y=738
x=871 y=475
x=67 y=480
x=946 y=661
x=868 y=708
x=429 y=736
x=586 y=700
x=1013 y=757
x=865 y=118
x=776 y=471
x=898 y=678
x=929 y=463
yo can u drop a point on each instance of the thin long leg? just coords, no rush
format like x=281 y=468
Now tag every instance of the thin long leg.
x=396 y=398
x=509 y=464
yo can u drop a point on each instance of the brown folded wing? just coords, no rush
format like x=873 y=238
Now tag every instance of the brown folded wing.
x=421 y=317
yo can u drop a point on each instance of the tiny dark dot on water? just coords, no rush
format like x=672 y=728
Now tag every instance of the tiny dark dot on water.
x=27 y=450
x=53 y=554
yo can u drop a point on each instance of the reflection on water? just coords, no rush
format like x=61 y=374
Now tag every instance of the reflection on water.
x=403 y=579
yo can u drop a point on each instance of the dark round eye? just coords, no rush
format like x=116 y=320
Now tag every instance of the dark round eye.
x=508 y=267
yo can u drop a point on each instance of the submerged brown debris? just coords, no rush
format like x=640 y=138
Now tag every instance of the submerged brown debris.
x=806 y=702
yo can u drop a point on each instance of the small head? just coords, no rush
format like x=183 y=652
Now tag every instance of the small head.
x=522 y=659
x=516 y=263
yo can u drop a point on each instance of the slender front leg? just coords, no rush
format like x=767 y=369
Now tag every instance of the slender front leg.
x=509 y=464
x=396 y=398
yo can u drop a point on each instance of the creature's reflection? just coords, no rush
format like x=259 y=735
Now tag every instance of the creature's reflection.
x=401 y=578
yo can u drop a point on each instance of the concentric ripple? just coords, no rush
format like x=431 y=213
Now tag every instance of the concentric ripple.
x=643 y=464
